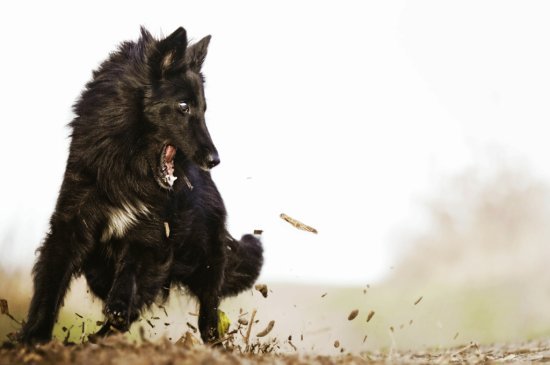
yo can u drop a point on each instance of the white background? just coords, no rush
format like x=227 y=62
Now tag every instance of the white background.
x=342 y=114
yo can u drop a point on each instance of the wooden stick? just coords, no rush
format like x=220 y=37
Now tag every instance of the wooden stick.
x=249 y=327
x=298 y=224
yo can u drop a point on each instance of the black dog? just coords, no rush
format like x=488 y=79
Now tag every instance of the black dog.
x=138 y=211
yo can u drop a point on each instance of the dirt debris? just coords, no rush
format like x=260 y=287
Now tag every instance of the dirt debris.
x=370 y=315
x=292 y=345
x=4 y=309
x=187 y=341
x=188 y=350
x=163 y=309
x=353 y=314
x=266 y=331
x=4 y=306
x=298 y=224
x=262 y=288
x=250 y=323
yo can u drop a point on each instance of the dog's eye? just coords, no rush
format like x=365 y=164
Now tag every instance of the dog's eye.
x=184 y=107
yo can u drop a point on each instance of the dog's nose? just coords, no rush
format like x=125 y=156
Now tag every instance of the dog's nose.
x=212 y=160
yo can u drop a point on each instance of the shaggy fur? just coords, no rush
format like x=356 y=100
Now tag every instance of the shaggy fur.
x=119 y=220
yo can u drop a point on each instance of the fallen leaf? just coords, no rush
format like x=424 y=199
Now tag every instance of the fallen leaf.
x=223 y=323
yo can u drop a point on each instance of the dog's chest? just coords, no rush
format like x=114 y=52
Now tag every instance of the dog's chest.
x=122 y=218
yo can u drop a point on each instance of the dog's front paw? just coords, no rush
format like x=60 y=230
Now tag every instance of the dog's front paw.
x=117 y=315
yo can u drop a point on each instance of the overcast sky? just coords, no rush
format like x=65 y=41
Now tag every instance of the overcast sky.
x=342 y=114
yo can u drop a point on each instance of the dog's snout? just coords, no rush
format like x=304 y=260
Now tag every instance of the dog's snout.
x=212 y=160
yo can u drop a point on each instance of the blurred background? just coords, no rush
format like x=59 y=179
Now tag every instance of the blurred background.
x=412 y=135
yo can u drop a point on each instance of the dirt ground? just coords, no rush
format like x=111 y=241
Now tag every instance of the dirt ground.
x=118 y=350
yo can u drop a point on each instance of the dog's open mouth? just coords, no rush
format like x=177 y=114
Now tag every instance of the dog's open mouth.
x=167 y=157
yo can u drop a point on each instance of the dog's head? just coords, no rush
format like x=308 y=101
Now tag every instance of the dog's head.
x=176 y=104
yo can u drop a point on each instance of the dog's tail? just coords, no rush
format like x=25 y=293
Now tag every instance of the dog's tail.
x=244 y=263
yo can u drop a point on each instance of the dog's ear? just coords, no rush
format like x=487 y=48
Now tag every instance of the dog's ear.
x=195 y=54
x=169 y=53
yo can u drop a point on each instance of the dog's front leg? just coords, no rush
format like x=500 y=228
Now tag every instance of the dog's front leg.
x=120 y=307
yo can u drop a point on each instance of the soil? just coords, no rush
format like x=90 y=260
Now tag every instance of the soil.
x=118 y=350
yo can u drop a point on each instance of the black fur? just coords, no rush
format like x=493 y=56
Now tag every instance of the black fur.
x=114 y=208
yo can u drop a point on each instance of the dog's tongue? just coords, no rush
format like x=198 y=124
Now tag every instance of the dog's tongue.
x=170 y=153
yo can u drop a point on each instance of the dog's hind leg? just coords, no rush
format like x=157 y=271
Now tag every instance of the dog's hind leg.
x=244 y=263
x=208 y=317
x=205 y=284
x=60 y=257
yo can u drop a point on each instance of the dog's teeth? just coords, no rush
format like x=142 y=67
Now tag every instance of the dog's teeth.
x=170 y=179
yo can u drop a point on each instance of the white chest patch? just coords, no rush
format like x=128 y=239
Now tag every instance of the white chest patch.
x=120 y=219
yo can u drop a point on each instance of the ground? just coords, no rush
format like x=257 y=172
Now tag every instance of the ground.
x=120 y=351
